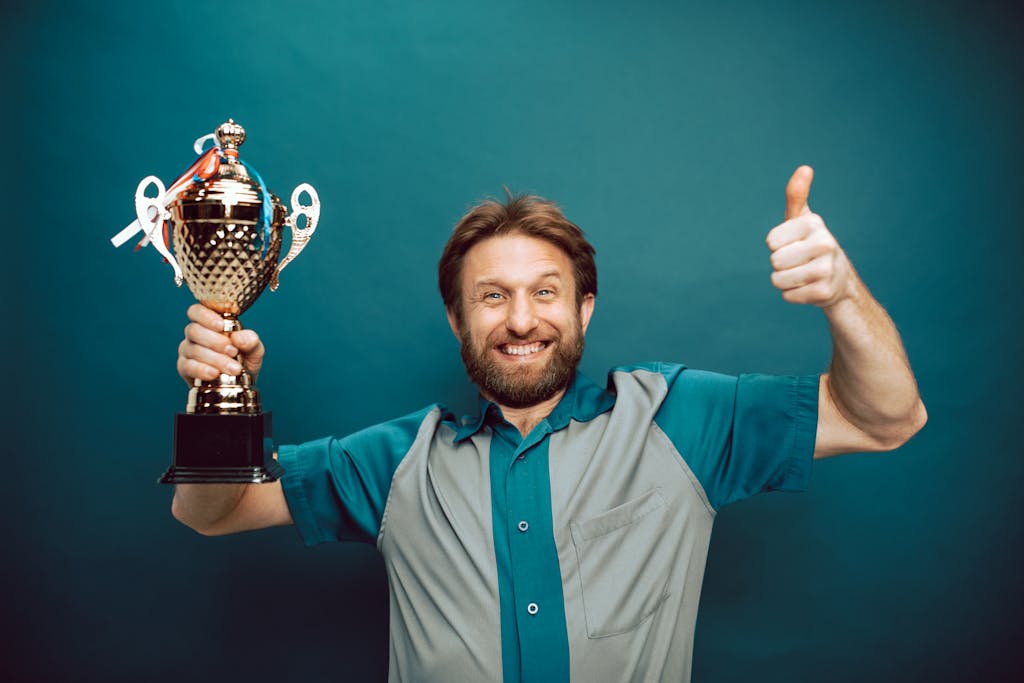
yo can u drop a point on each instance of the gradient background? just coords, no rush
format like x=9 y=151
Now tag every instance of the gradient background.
x=666 y=130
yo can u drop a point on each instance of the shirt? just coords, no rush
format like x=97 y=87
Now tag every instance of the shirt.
x=575 y=553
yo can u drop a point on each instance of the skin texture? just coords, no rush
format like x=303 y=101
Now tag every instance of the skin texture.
x=520 y=291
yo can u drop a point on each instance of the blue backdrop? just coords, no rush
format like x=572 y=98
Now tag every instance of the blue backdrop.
x=667 y=130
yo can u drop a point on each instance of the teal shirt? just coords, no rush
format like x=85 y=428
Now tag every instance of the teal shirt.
x=575 y=553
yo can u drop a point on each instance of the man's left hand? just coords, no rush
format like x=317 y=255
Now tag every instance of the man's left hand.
x=808 y=265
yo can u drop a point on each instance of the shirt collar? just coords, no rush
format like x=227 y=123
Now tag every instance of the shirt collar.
x=583 y=401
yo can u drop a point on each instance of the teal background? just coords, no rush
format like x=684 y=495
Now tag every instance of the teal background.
x=668 y=131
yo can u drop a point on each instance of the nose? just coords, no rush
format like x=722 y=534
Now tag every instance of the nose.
x=522 y=318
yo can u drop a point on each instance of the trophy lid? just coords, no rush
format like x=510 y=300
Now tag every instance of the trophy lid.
x=230 y=136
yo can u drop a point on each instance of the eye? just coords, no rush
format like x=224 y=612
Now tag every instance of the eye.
x=546 y=292
x=492 y=296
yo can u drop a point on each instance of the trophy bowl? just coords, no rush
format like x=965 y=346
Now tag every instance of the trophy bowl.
x=226 y=258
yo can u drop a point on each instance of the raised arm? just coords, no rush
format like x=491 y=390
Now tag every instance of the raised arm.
x=217 y=509
x=868 y=399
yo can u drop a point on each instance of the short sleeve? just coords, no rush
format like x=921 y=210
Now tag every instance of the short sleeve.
x=337 y=489
x=741 y=435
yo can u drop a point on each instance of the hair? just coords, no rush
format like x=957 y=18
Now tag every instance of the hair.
x=520 y=214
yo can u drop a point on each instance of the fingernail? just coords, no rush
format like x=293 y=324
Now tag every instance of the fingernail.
x=230 y=350
x=234 y=368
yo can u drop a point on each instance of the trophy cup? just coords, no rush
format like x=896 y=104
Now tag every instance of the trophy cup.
x=225 y=227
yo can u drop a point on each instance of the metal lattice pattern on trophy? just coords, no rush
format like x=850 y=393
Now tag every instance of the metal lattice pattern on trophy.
x=225 y=228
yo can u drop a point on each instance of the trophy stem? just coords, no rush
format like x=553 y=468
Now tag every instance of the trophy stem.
x=228 y=394
x=231 y=323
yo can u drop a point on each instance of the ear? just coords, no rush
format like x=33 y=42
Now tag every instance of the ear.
x=586 y=311
x=453 y=323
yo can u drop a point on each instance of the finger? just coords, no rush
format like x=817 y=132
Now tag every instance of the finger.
x=206 y=317
x=789 y=232
x=204 y=336
x=799 y=252
x=802 y=276
x=209 y=357
x=191 y=370
x=817 y=293
x=797 y=191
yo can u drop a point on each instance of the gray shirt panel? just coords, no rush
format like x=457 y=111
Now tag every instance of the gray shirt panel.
x=632 y=527
x=438 y=547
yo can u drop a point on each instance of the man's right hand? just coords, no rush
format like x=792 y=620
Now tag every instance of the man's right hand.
x=206 y=351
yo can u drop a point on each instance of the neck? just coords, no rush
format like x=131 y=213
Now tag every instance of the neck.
x=525 y=419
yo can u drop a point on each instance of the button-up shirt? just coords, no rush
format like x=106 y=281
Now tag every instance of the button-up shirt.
x=575 y=553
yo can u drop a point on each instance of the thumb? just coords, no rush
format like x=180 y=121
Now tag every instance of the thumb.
x=797 y=190
x=251 y=348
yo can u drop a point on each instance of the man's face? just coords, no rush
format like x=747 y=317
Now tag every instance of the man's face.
x=521 y=332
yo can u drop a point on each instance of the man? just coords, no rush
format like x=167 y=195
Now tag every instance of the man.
x=561 y=533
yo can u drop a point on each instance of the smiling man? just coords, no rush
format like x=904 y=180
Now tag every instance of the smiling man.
x=560 y=533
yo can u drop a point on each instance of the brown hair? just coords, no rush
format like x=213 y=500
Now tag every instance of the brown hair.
x=524 y=214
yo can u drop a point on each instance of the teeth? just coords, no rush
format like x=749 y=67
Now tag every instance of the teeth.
x=522 y=350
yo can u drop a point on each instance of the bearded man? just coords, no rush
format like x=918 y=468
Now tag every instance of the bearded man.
x=561 y=533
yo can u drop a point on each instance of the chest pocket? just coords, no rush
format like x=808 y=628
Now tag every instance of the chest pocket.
x=624 y=578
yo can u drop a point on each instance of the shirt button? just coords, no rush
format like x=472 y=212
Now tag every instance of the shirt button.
x=532 y=608
x=524 y=525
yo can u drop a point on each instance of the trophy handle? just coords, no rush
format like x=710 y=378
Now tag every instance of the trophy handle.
x=152 y=213
x=300 y=236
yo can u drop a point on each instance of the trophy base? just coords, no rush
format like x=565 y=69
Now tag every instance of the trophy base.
x=222 y=449
x=222 y=475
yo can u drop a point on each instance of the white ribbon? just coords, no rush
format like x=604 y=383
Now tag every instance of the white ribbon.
x=135 y=227
x=152 y=212
x=198 y=144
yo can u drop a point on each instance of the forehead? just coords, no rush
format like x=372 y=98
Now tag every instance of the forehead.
x=515 y=259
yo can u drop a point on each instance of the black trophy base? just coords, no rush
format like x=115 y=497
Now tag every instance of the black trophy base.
x=222 y=449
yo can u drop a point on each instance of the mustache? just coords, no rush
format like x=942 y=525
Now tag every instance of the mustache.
x=497 y=338
x=506 y=337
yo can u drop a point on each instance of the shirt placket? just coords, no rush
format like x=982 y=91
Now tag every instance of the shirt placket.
x=536 y=579
x=521 y=500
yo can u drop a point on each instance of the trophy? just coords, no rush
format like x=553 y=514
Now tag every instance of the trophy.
x=225 y=227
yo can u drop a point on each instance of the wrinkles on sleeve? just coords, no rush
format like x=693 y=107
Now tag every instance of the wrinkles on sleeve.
x=294 y=462
x=804 y=414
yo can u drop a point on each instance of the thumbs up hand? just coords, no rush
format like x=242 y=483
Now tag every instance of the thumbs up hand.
x=808 y=266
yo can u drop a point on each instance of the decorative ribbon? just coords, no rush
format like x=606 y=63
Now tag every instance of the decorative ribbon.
x=267 y=213
x=206 y=166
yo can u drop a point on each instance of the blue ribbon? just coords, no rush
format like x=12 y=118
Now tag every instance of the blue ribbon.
x=268 y=210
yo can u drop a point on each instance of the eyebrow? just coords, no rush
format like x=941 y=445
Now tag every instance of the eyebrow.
x=491 y=282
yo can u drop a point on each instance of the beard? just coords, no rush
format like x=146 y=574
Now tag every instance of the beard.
x=522 y=387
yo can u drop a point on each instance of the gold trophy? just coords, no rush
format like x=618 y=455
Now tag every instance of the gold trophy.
x=225 y=227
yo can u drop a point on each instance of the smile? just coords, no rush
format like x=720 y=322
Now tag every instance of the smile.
x=522 y=349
